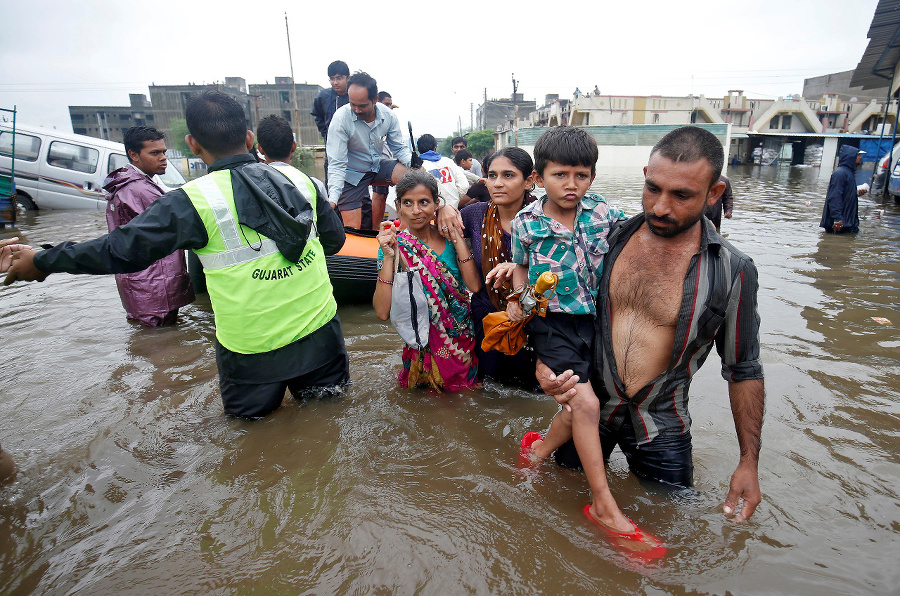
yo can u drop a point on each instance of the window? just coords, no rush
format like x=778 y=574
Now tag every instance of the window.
x=78 y=117
x=286 y=114
x=656 y=118
x=773 y=123
x=80 y=131
x=27 y=146
x=149 y=117
x=73 y=157
x=786 y=122
x=116 y=161
x=285 y=98
x=124 y=116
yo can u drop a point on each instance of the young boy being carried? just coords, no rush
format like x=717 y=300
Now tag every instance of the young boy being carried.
x=565 y=233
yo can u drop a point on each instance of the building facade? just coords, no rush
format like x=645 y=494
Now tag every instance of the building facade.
x=167 y=102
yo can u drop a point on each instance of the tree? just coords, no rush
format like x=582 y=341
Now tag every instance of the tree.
x=444 y=147
x=480 y=142
x=179 y=129
x=304 y=159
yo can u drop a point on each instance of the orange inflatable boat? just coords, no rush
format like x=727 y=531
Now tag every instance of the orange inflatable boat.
x=354 y=269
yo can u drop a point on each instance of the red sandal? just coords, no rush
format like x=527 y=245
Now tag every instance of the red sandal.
x=636 y=544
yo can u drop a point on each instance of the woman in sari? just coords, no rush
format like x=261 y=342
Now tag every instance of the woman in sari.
x=448 y=362
x=510 y=178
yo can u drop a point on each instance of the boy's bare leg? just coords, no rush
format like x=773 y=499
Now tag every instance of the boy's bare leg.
x=585 y=421
x=560 y=432
x=581 y=425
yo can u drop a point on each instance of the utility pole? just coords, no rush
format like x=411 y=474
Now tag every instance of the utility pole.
x=471 y=116
x=293 y=83
x=515 y=110
x=484 y=111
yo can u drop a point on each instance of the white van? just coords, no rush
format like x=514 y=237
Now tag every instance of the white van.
x=58 y=170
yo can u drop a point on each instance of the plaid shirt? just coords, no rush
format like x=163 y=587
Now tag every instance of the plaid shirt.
x=543 y=244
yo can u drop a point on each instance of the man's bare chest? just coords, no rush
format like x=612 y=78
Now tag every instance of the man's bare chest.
x=648 y=286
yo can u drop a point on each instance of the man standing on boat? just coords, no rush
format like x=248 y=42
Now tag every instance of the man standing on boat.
x=329 y=100
x=670 y=280
x=841 y=212
x=354 y=152
x=262 y=241
x=153 y=296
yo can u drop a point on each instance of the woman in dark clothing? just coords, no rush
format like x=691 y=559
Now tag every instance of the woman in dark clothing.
x=510 y=178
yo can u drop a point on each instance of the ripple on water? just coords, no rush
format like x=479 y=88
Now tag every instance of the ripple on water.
x=132 y=479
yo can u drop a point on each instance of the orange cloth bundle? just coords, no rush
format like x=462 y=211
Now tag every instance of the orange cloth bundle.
x=508 y=337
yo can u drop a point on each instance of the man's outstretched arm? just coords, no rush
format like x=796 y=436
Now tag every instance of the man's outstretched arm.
x=747 y=408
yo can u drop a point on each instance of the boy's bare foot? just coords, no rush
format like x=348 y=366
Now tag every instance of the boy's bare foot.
x=527 y=455
x=636 y=543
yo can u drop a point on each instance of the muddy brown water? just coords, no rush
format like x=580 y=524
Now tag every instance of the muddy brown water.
x=132 y=481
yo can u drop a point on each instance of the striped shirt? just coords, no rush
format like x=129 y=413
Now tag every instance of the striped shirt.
x=543 y=244
x=718 y=305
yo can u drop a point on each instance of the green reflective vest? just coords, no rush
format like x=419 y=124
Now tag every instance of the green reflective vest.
x=261 y=300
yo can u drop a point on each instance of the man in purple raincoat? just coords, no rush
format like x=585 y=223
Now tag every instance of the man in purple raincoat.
x=154 y=295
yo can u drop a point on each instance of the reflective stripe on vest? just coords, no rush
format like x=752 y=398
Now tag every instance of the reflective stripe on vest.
x=235 y=251
x=267 y=302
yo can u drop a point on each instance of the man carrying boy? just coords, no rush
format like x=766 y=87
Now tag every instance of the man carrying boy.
x=460 y=143
x=154 y=295
x=464 y=160
x=565 y=233
x=670 y=280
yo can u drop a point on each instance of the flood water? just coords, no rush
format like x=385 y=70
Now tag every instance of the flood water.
x=132 y=481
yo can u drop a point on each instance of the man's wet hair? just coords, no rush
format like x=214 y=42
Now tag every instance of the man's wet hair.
x=461 y=155
x=363 y=79
x=566 y=145
x=383 y=94
x=217 y=122
x=135 y=136
x=426 y=143
x=338 y=67
x=692 y=143
x=459 y=140
x=414 y=178
x=518 y=156
x=276 y=138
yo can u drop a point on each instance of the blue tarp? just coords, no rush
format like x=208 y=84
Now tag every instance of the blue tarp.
x=872 y=149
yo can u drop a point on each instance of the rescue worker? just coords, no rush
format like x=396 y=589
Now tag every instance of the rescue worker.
x=262 y=242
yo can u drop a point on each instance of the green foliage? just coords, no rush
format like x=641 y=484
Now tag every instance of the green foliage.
x=444 y=146
x=304 y=159
x=178 y=128
x=481 y=143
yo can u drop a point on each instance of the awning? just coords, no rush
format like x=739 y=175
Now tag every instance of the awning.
x=878 y=63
